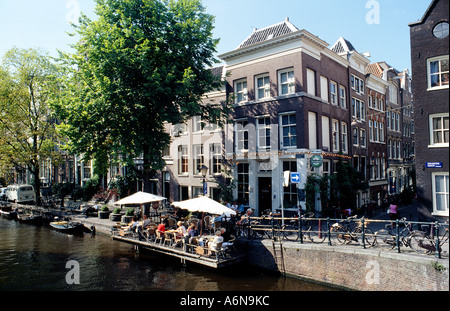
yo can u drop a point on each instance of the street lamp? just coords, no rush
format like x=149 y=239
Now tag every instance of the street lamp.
x=204 y=171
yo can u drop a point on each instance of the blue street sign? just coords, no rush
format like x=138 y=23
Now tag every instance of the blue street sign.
x=295 y=178
x=433 y=164
x=205 y=189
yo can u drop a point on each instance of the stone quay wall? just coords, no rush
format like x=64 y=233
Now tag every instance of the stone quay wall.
x=352 y=267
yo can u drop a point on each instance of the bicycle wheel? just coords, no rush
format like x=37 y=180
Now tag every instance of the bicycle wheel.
x=340 y=234
x=421 y=243
x=290 y=233
x=317 y=235
x=384 y=239
x=369 y=237
x=444 y=245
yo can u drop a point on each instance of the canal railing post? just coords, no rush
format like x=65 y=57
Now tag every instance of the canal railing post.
x=249 y=227
x=273 y=227
x=436 y=233
x=397 y=233
x=300 y=233
x=329 y=232
x=363 y=232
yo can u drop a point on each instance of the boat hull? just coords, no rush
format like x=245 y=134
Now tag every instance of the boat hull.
x=68 y=227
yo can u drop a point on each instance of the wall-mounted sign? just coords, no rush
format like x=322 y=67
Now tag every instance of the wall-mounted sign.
x=316 y=160
x=295 y=178
x=433 y=164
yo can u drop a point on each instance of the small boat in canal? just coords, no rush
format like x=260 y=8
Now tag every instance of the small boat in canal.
x=7 y=212
x=29 y=218
x=68 y=226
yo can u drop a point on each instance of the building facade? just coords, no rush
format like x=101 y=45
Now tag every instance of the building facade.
x=430 y=69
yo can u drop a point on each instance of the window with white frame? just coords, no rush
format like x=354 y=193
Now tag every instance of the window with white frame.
x=215 y=158
x=325 y=133
x=199 y=159
x=393 y=93
x=333 y=93
x=240 y=91
x=355 y=136
x=397 y=122
x=335 y=134
x=263 y=132
x=286 y=81
x=388 y=119
x=312 y=130
x=197 y=123
x=311 y=81
x=324 y=88
x=362 y=137
x=381 y=136
x=344 y=133
x=262 y=86
x=183 y=159
x=342 y=97
x=241 y=134
x=357 y=84
x=358 y=109
x=370 y=130
x=439 y=130
x=440 y=188
x=438 y=72
x=375 y=131
x=243 y=182
x=288 y=124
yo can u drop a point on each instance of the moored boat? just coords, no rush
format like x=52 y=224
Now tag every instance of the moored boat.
x=67 y=226
x=7 y=212
x=29 y=218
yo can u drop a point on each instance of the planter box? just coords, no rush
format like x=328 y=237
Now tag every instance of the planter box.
x=127 y=219
x=115 y=217
x=103 y=215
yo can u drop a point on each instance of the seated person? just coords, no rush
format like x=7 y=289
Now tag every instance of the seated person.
x=218 y=239
x=244 y=218
x=181 y=230
x=192 y=231
x=145 y=222
x=161 y=228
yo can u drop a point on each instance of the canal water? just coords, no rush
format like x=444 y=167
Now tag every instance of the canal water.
x=35 y=258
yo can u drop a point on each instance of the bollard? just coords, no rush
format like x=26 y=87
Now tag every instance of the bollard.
x=273 y=228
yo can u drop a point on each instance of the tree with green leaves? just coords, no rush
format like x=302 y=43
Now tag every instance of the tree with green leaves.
x=27 y=126
x=141 y=64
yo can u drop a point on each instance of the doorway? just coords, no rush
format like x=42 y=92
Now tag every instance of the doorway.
x=264 y=194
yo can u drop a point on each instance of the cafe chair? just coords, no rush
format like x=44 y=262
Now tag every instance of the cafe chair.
x=159 y=238
x=168 y=239
x=219 y=252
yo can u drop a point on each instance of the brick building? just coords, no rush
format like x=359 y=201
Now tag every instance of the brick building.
x=430 y=69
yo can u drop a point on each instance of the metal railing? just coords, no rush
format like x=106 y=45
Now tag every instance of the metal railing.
x=400 y=234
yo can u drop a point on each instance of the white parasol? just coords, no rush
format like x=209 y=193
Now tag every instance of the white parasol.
x=140 y=198
x=205 y=205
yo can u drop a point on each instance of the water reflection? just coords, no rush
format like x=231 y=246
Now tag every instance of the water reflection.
x=34 y=258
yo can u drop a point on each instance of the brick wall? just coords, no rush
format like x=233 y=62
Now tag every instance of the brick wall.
x=354 y=267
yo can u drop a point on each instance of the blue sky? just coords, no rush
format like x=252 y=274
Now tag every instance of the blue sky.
x=44 y=23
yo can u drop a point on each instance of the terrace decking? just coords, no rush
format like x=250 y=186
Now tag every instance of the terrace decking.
x=216 y=262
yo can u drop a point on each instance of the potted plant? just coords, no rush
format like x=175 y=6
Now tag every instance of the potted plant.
x=116 y=215
x=104 y=212
x=128 y=217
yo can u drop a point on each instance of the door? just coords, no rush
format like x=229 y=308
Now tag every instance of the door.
x=264 y=194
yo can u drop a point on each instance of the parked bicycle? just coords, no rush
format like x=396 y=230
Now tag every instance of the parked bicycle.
x=425 y=242
x=351 y=230
x=387 y=238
